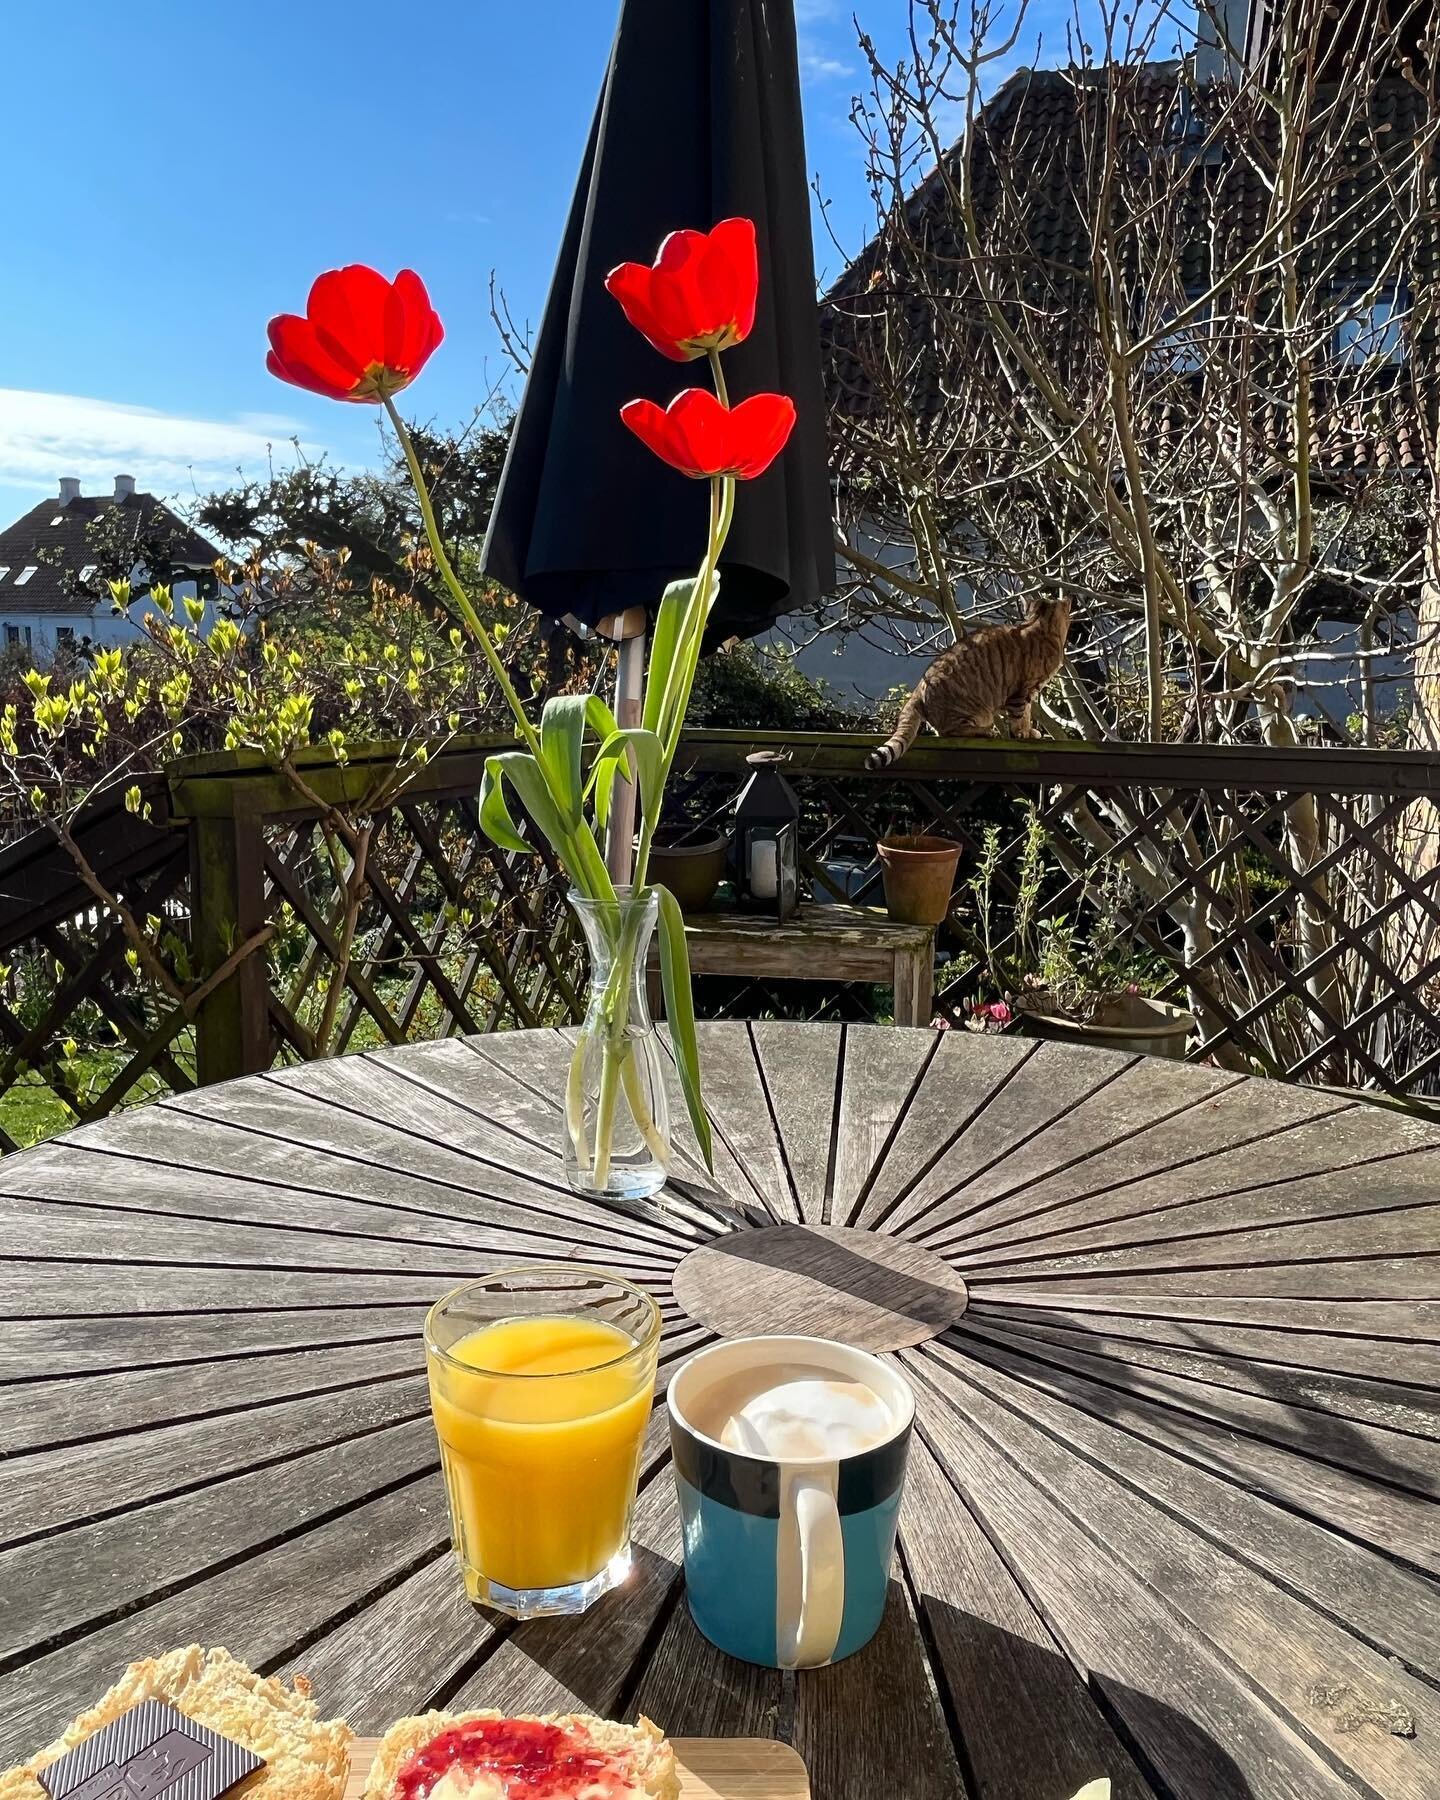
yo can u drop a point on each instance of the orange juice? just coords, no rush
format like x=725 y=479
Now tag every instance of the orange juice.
x=540 y=1431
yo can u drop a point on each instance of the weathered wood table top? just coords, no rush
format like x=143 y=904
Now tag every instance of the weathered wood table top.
x=1170 y=1514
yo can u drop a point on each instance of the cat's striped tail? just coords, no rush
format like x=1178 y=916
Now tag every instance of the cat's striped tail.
x=907 y=729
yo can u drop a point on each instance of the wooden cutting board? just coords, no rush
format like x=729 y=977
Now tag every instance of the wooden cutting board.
x=710 y=1769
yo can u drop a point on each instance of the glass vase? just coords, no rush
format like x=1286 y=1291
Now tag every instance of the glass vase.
x=617 y=1118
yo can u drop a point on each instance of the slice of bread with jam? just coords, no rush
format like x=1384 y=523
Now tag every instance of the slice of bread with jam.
x=487 y=1756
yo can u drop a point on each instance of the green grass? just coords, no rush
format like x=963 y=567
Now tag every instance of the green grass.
x=31 y=1112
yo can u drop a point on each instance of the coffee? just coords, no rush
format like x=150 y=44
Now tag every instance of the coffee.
x=793 y=1412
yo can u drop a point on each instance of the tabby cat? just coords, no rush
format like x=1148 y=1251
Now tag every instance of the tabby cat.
x=999 y=668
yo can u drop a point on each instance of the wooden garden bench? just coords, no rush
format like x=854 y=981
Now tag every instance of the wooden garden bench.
x=827 y=943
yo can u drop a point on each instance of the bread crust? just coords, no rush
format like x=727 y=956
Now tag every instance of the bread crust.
x=306 y=1758
x=652 y=1759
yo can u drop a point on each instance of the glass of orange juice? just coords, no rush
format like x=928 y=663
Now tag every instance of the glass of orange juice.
x=541 y=1383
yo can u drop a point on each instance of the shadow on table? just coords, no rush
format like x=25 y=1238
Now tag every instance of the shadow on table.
x=945 y=1707
x=826 y=1263
x=1125 y=1397
x=1030 y=1728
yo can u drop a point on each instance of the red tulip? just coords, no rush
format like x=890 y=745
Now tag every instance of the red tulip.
x=362 y=337
x=700 y=293
x=698 y=436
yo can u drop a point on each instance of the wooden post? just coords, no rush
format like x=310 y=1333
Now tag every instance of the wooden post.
x=232 y=1024
x=915 y=983
x=627 y=629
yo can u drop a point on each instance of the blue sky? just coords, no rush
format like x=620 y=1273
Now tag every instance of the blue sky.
x=179 y=170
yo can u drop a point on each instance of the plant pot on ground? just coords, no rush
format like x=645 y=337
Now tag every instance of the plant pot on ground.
x=1077 y=975
x=690 y=861
x=919 y=874
x=1125 y=1021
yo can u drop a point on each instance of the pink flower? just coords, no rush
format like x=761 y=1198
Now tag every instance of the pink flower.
x=990 y=1015
x=996 y=1011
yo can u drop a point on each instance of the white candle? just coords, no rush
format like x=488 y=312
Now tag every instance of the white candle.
x=764 y=873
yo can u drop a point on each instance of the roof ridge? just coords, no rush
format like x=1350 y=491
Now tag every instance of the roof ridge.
x=52 y=540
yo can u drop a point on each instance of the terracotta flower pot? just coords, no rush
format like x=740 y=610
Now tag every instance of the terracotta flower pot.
x=690 y=863
x=919 y=873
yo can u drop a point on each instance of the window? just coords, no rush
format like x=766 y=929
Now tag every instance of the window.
x=65 y=634
x=1187 y=132
x=24 y=575
x=4 y=570
x=87 y=571
x=12 y=634
x=1368 y=325
x=1182 y=351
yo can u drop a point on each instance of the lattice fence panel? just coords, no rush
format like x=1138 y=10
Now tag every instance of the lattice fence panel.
x=435 y=933
x=1291 y=919
x=1280 y=897
x=81 y=1031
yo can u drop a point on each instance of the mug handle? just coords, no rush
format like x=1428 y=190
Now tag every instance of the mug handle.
x=808 y=1640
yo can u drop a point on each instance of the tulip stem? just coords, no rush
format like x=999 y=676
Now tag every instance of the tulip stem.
x=460 y=600
x=692 y=632
x=722 y=513
x=578 y=851
x=721 y=394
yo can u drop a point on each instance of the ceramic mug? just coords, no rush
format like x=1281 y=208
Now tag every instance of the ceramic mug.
x=787 y=1562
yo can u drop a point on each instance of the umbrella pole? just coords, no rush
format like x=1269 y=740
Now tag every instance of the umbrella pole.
x=627 y=629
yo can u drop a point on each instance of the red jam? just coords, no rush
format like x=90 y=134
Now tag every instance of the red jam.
x=532 y=1760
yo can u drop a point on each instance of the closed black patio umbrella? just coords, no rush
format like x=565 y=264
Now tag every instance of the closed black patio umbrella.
x=698 y=120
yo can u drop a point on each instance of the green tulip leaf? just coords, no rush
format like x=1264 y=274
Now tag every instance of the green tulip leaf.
x=664 y=643
x=495 y=818
x=599 y=717
x=687 y=660
x=680 y=1012
x=613 y=757
x=674 y=651
x=527 y=778
x=603 y=723
x=562 y=751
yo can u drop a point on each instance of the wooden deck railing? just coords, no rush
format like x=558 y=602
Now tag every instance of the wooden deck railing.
x=1292 y=899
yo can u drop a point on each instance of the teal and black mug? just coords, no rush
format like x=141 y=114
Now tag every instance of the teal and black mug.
x=789 y=1458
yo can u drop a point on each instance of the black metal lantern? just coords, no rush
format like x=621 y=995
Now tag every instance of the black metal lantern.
x=767 y=838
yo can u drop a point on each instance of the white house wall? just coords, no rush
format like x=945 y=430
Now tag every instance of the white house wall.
x=1329 y=682
x=103 y=627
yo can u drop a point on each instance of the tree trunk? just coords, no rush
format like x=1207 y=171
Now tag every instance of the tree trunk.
x=1417 y=937
x=1425 y=718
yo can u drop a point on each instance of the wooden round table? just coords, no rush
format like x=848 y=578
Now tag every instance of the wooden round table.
x=1170 y=1514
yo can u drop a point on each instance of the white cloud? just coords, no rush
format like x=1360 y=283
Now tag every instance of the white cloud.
x=815 y=65
x=44 y=436
x=821 y=34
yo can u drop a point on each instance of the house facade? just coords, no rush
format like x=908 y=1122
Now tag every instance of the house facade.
x=904 y=332
x=54 y=561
